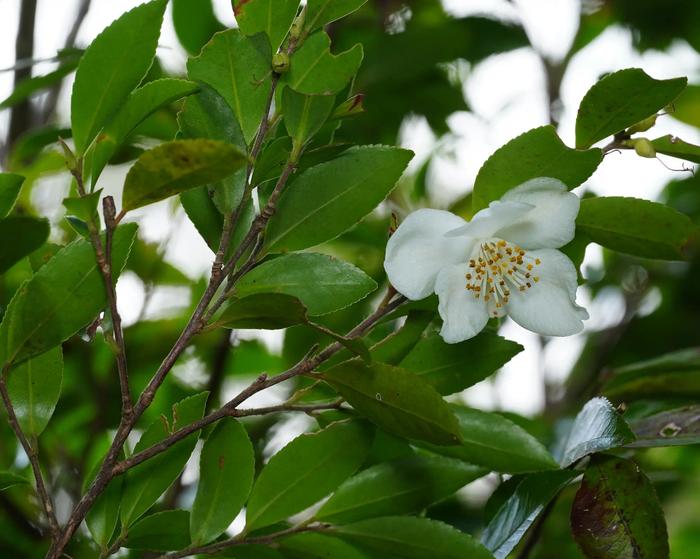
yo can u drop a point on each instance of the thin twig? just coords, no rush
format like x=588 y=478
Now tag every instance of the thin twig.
x=32 y=455
x=235 y=541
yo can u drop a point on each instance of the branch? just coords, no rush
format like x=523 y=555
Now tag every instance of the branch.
x=235 y=541
x=31 y=454
x=306 y=365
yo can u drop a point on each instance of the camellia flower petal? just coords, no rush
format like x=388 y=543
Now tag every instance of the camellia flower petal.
x=504 y=261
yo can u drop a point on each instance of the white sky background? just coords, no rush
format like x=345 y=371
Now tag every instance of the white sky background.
x=506 y=94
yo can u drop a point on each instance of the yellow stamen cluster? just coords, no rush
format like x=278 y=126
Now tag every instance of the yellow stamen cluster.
x=497 y=268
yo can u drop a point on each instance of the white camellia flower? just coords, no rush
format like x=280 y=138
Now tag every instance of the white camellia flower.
x=504 y=261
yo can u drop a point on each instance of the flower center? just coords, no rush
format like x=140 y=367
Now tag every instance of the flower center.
x=497 y=267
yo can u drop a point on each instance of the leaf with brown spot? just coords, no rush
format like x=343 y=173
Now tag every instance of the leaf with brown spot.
x=616 y=514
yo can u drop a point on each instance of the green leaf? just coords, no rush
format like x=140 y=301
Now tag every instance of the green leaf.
x=226 y=471
x=522 y=508
x=672 y=374
x=616 y=513
x=314 y=70
x=322 y=283
x=400 y=487
x=173 y=167
x=597 y=427
x=10 y=185
x=637 y=227
x=162 y=531
x=34 y=387
x=622 y=99
x=65 y=294
x=194 y=23
x=675 y=147
x=238 y=68
x=21 y=236
x=149 y=480
x=395 y=347
x=322 y=12
x=396 y=400
x=451 y=368
x=536 y=153
x=306 y=470
x=304 y=115
x=111 y=67
x=491 y=440
x=207 y=115
x=102 y=517
x=141 y=103
x=83 y=207
x=679 y=426
x=273 y=17
x=405 y=537
x=31 y=86
x=9 y=479
x=264 y=311
x=318 y=546
x=329 y=198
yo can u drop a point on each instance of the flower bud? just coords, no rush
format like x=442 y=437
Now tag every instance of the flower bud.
x=280 y=63
x=644 y=147
x=643 y=125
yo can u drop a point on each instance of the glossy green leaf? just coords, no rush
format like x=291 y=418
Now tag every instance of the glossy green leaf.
x=322 y=283
x=21 y=235
x=329 y=198
x=620 y=100
x=103 y=515
x=679 y=426
x=686 y=107
x=675 y=147
x=637 y=227
x=34 y=387
x=9 y=479
x=522 y=508
x=395 y=347
x=322 y=12
x=451 y=368
x=536 y=153
x=396 y=400
x=314 y=70
x=491 y=440
x=141 y=103
x=162 y=531
x=265 y=311
x=173 y=167
x=238 y=68
x=405 y=537
x=273 y=17
x=10 y=185
x=111 y=67
x=672 y=374
x=226 y=471
x=147 y=481
x=304 y=115
x=65 y=294
x=616 y=514
x=597 y=427
x=306 y=470
x=399 y=487
x=318 y=546
x=195 y=23
x=207 y=115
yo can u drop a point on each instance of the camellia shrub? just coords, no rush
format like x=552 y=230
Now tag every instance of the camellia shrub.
x=386 y=315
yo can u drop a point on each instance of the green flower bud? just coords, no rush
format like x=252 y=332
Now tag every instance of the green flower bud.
x=280 y=63
x=643 y=125
x=644 y=148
